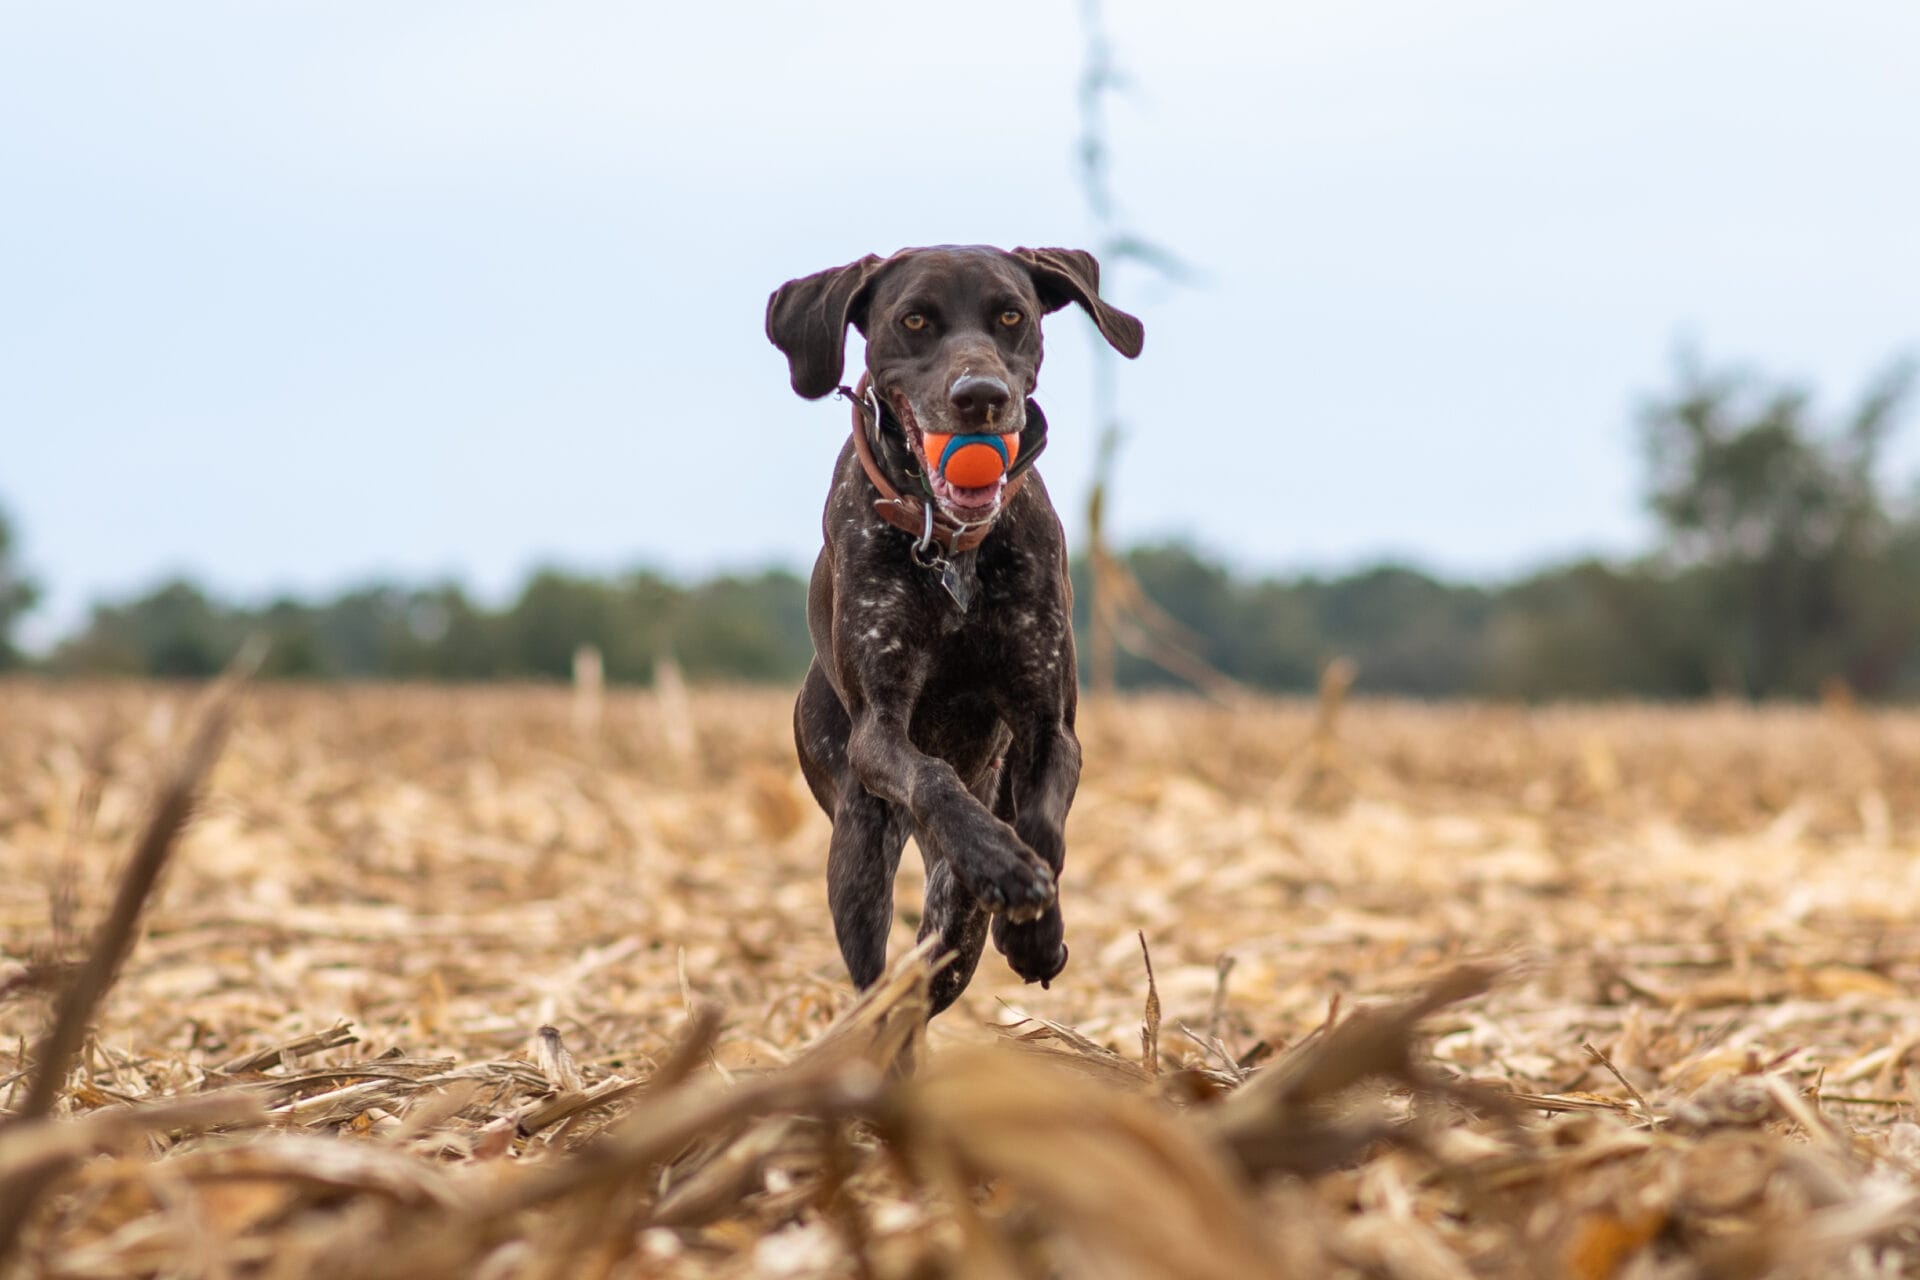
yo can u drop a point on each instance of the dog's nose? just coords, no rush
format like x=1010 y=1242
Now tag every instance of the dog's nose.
x=978 y=399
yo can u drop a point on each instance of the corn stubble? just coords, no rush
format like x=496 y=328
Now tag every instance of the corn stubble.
x=464 y=983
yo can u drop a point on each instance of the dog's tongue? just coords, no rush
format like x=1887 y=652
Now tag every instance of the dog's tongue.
x=967 y=503
x=981 y=499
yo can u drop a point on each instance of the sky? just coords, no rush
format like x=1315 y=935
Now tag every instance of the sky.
x=294 y=296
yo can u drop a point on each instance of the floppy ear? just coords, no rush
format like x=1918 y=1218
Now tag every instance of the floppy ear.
x=1061 y=276
x=807 y=319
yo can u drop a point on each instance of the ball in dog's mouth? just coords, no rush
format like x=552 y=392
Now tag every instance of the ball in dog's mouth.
x=966 y=472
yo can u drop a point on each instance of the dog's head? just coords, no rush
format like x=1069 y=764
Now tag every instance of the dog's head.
x=953 y=340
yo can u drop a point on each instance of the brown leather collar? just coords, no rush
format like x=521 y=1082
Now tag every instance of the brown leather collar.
x=909 y=514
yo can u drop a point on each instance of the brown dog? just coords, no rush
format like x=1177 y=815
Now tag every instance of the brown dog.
x=940 y=703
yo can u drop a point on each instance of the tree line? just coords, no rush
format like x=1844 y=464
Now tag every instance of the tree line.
x=1787 y=563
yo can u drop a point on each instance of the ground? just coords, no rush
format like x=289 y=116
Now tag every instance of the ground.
x=1698 y=930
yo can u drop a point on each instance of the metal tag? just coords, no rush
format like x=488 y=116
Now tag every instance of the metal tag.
x=960 y=585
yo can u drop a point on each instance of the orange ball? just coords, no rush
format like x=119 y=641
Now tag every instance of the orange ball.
x=972 y=461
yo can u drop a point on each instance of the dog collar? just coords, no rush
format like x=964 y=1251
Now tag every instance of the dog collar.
x=922 y=517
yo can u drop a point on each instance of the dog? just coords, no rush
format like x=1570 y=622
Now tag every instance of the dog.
x=941 y=698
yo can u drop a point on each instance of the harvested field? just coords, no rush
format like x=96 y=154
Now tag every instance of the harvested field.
x=1698 y=934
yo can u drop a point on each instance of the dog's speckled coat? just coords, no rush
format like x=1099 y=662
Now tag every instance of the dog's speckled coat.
x=917 y=717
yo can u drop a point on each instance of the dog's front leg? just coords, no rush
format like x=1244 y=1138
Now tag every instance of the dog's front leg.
x=986 y=856
x=1043 y=772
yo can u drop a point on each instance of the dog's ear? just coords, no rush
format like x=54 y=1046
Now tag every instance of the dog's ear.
x=808 y=318
x=1061 y=276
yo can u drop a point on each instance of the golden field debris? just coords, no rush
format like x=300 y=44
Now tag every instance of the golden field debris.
x=462 y=982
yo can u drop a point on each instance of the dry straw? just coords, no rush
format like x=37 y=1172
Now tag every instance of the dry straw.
x=437 y=984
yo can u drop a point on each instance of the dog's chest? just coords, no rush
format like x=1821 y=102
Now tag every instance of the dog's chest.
x=1013 y=630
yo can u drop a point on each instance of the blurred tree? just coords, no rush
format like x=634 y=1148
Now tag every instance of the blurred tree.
x=173 y=631
x=1409 y=633
x=1780 y=523
x=1785 y=561
x=744 y=628
x=18 y=594
x=1406 y=631
x=558 y=612
x=1594 y=630
x=444 y=635
x=293 y=652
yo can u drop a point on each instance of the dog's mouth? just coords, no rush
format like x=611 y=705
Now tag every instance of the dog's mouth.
x=966 y=505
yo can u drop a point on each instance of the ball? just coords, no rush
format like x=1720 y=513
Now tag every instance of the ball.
x=972 y=461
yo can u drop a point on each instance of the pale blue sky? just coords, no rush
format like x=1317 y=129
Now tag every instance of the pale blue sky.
x=297 y=294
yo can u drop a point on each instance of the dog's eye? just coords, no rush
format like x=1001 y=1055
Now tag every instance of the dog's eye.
x=1010 y=317
x=914 y=321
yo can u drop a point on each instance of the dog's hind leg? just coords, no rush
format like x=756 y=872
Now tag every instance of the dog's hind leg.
x=820 y=732
x=868 y=833
x=961 y=924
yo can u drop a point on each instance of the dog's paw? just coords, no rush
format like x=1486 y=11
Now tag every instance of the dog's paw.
x=1021 y=891
x=1035 y=950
